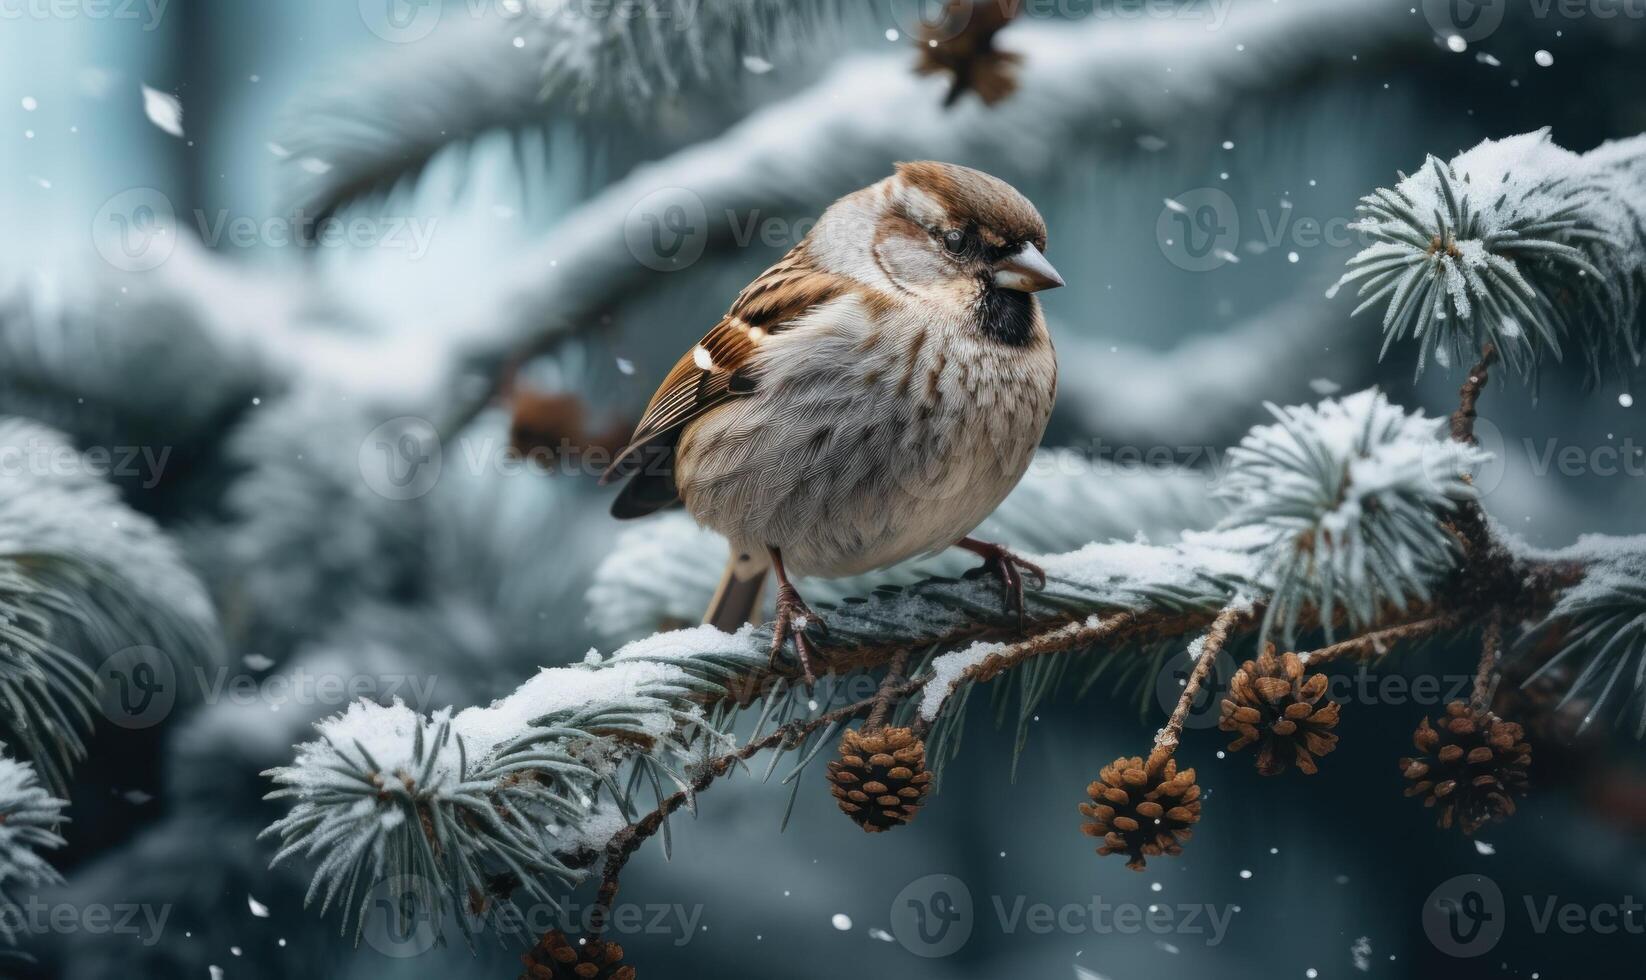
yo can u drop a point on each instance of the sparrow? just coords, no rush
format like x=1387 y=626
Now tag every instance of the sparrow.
x=870 y=398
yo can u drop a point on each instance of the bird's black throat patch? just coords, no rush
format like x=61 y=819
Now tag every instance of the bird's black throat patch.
x=1006 y=316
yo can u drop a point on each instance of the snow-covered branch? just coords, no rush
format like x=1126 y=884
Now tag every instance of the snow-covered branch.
x=82 y=577
x=1517 y=243
x=1598 y=631
x=525 y=791
x=1343 y=498
x=653 y=75
x=29 y=818
x=192 y=330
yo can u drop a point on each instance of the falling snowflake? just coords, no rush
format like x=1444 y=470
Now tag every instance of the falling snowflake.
x=163 y=110
x=1362 y=953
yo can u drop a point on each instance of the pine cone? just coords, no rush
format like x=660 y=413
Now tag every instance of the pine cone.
x=961 y=45
x=880 y=777
x=555 y=958
x=1473 y=765
x=554 y=431
x=1272 y=701
x=1141 y=813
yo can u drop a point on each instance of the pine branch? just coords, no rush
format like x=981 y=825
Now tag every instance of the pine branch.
x=70 y=346
x=1340 y=501
x=29 y=818
x=1517 y=244
x=627 y=79
x=1598 y=629
x=491 y=782
x=528 y=788
x=82 y=577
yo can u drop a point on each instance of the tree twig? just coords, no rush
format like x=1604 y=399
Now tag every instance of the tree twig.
x=1212 y=644
x=1463 y=420
x=1377 y=641
x=1491 y=647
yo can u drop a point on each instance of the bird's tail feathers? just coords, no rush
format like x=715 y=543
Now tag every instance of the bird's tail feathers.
x=737 y=601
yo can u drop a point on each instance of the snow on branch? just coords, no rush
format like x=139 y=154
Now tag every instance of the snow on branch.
x=508 y=789
x=456 y=800
x=1598 y=630
x=1347 y=499
x=1516 y=243
x=617 y=67
x=29 y=817
x=70 y=346
x=82 y=576
x=1342 y=515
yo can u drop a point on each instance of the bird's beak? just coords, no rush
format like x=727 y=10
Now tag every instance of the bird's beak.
x=1026 y=271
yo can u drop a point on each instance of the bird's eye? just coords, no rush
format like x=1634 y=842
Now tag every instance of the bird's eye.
x=955 y=241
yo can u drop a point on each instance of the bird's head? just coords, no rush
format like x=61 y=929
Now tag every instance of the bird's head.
x=937 y=228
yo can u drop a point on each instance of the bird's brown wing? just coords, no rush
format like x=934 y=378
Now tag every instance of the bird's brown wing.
x=713 y=372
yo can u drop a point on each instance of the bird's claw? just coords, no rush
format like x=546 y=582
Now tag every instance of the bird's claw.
x=1011 y=570
x=794 y=620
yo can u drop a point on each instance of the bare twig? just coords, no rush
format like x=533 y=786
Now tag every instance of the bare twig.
x=1491 y=647
x=1463 y=420
x=1212 y=644
x=1377 y=642
x=886 y=698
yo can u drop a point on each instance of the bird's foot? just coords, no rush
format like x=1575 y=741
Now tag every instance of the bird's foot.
x=1011 y=570
x=794 y=620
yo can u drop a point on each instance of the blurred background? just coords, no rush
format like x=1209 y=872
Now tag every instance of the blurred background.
x=367 y=288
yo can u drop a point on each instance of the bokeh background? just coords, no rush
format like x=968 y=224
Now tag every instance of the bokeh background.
x=537 y=206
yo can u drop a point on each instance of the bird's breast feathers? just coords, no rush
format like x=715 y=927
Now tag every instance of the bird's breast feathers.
x=874 y=432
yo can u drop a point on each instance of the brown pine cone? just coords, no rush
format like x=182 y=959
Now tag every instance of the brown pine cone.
x=1141 y=813
x=1473 y=765
x=880 y=778
x=961 y=45
x=555 y=958
x=1274 y=702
